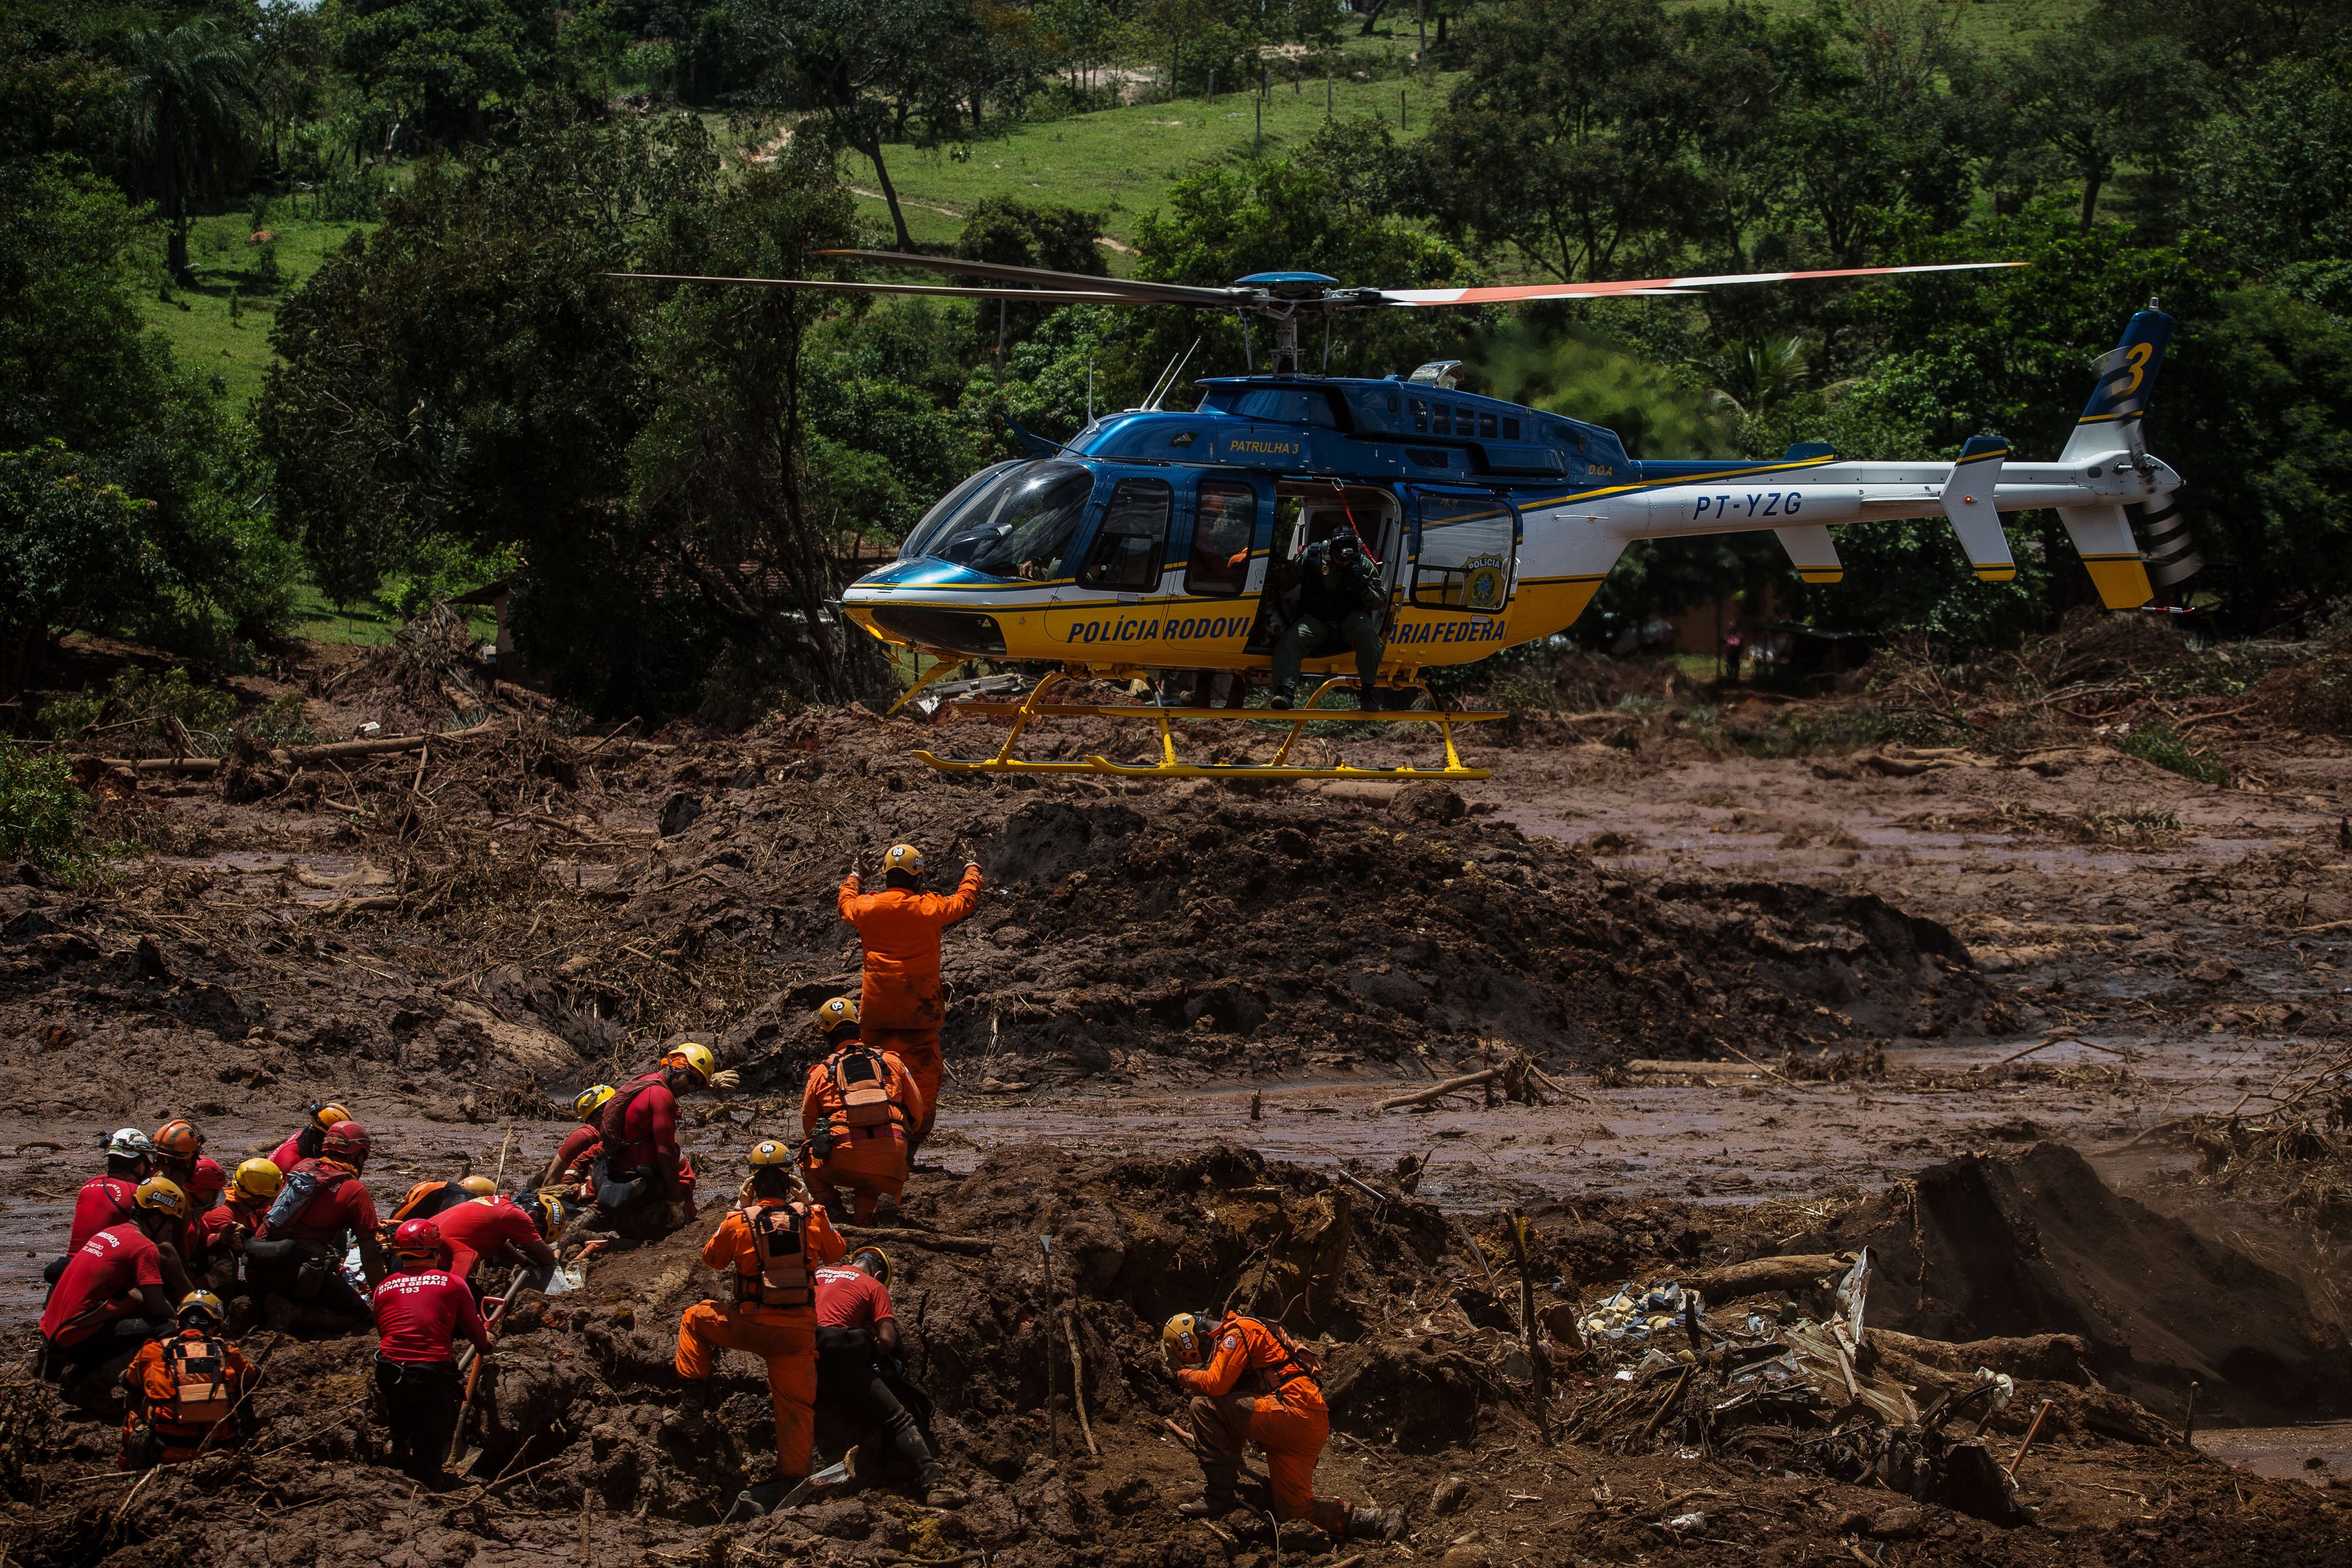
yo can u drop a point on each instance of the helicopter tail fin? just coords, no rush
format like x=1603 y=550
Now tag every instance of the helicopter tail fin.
x=1968 y=502
x=2110 y=421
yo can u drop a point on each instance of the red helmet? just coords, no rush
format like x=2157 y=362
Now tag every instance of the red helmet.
x=178 y=1140
x=210 y=1176
x=346 y=1138
x=417 y=1238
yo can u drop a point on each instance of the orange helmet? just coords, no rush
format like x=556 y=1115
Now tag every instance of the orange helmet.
x=178 y=1140
x=327 y=1115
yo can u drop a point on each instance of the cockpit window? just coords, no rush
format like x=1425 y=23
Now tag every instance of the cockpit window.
x=934 y=524
x=1019 y=525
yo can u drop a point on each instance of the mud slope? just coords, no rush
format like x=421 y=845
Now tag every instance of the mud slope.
x=515 y=913
x=1427 y=1380
x=2034 y=1242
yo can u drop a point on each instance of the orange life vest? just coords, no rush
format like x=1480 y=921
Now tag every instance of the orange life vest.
x=778 y=1275
x=1296 y=1362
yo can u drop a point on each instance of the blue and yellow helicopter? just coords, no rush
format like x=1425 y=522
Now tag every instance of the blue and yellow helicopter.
x=1142 y=545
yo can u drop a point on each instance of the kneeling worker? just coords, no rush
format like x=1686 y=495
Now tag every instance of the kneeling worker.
x=111 y=1299
x=185 y=1389
x=419 y=1312
x=770 y=1248
x=645 y=1187
x=856 y=1330
x=857 y=1110
x=573 y=1162
x=1251 y=1382
x=322 y=1205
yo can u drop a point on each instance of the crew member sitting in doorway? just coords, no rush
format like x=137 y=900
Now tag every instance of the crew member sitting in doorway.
x=1332 y=591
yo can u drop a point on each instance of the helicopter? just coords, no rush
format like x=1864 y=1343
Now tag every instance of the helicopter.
x=1143 y=543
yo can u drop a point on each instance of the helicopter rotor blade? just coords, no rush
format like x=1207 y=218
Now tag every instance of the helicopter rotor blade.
x=1509 y=293
x=1142 y=292
x=836 y=286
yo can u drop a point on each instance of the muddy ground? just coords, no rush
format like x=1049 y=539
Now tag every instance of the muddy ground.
x=2057 y=1032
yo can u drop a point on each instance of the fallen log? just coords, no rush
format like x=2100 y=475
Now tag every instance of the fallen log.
x=1798 y=1271
x=973 y=1245
x=382 y=745
x=1440 y=1090
x=1698 y=1069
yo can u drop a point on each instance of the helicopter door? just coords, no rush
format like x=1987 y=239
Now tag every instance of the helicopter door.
x=1467 y=554
x=1128 y=546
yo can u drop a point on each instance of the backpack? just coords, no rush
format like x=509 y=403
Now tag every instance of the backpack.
x=615 y=1113
x=780 y=1257
x=863 y=1082
x=303 y=1182
x=198 y=1372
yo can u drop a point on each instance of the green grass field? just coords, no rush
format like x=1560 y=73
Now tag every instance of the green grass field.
x=221 y=327
x=1118 y=162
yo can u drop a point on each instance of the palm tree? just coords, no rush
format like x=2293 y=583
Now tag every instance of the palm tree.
x=184 y=118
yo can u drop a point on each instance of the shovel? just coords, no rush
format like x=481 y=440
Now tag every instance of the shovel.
x=464 y=1460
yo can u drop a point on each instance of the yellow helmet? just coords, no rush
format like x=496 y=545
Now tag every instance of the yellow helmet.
x=592 y=1100
x=327 y=1115
x=546 y=1209
x=904 y=857
x=257 y=1178
x=477 y=1186
x=1185 y=1340
x=835 y=1013
x=162 y=1195
x=881 y=1266
x=771 y=1151
x=202 y=1302
x=694 y=1056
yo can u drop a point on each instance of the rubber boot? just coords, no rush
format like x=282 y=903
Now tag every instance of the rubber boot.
x=937 y=1493
x=1217 y=1496
x=1281 y=698
x=1376 y=1523
x=759 y=1500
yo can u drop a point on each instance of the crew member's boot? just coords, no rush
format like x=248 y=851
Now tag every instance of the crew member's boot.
x=1281 y=698
x=937 y=1493
x=1218 y=1497
x=1376 y=1523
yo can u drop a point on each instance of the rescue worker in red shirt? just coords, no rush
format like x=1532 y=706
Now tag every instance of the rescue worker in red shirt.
x=178 y=1147
x=236 y=1220
x=644 y=1188
x=205 y=1184
x=111 y=1298
x=105 y=1200
x=1251 y=1382
x=311 y=1140
x=577 y=1156
x=185 y=1390
x=419 y=1313
x=856 y=1335
x=857 y=1109
x=899 y=1002
x=299 y=1259
x=771 y=1248
x=497 y=1228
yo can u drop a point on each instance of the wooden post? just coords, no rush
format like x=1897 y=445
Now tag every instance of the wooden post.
x=1053 y=1428
x=1538 y=1365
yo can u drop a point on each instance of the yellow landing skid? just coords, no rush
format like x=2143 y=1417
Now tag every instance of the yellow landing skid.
x=1170 y=766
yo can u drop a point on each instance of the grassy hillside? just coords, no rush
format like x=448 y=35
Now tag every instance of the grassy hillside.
x=221 y=326
x=1119 y=160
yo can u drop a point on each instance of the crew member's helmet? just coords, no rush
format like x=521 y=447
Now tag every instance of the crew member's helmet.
x=327 y=1115
x=693 y=1055
x=130 y=1143
x=838 y=1014
x=417 y=1241
x=477 y=1186
x=160 y=1194
x=202 y=1304
x=592 y=1100
x=903 y=858
x=771 y=1152
x=346 y=1140
x=1184 y=1339
x=178 y=1140
x=257 y=1178
x=874 y=1260
x=209 y=1176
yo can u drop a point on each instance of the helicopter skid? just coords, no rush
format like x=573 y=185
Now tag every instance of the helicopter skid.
x=1171 y=766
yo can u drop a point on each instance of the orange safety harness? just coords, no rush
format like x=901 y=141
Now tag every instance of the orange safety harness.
x=1296 y=1361
x=780 y=1274
x=195 y=1373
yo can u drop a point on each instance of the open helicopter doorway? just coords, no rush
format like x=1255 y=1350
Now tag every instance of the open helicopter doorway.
x=1308 y=511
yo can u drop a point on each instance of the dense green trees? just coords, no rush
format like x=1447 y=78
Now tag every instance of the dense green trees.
x=187 y=106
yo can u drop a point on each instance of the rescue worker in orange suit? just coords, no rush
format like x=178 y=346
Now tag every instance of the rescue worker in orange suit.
x=645 y=1187
x=771 y=1248
x=106 y=1199
x=857 y=1110
x=429 y=1200
x=856 y=1339
x=297 y=1265
x=495 y=1228
x=419 y=1311
x=112 y=1298
x=186 y=1393
x=235 y=1221
x=1251 y=1382
x=311 y=1140
x=899 y=1002
x=573 y=1160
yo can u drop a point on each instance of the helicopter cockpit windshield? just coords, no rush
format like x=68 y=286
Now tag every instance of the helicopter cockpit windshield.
x=1019 y=524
